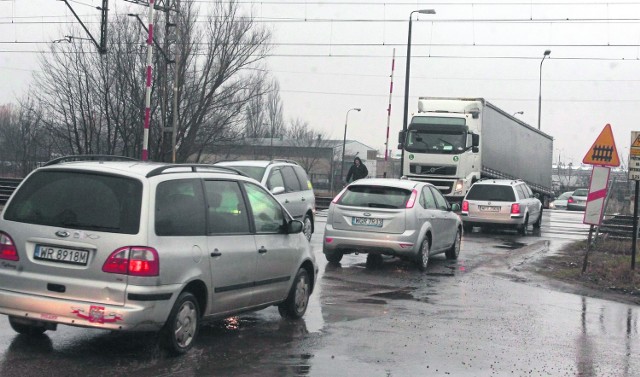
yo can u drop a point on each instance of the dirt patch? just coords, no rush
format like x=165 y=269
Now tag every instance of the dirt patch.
x=608 y=274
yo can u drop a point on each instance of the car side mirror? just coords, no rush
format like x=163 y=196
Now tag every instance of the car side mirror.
x=277 y=190
x=475 y=143
x=294 y=226
x=455 y=207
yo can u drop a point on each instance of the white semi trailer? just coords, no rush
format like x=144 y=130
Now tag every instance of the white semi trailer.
x=454 y=142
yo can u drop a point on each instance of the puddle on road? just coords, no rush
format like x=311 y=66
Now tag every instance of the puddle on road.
x=511 y=245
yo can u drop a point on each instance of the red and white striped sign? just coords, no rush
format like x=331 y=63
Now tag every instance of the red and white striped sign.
x=597 y=194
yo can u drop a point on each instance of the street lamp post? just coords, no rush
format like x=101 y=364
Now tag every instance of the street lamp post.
x=406 y=82
x=344 y=140
x=546 y=53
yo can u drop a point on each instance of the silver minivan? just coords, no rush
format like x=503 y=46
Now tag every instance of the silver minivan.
x=288 y=182
x=139 y=246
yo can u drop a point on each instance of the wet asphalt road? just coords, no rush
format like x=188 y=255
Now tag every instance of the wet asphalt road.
x=478 y=316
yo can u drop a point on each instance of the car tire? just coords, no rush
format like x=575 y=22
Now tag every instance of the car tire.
x=523 y=228
x=26 y=329
x=374 y=260
x=454 y=250
x=538 y=222
x=334 y=257
x=307 y=228
x=181 y=329
x=297 y=301
x=422 y=259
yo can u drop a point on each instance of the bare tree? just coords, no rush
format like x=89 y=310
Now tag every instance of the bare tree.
x=20 y=137
x=301 y=135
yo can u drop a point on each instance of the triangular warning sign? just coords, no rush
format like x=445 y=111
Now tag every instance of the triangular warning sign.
x=636 y=142
x=603 y=152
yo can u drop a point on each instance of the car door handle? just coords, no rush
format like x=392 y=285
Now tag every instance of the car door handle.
x=262 y=250
x=216 y=253
x=303 y=199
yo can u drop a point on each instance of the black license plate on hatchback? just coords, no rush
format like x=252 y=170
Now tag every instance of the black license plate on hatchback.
x=366 y=221
x=61 y=255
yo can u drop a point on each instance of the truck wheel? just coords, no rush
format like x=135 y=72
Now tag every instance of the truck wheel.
x=181 y=329
x=297 y=301
x=422 y=259
x=22 y=327
x=538 y=222
x=454 y=251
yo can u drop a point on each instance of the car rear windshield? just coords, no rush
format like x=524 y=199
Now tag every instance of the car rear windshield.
x=580 y=192
x=375 y=197
x=495 y=193
x=78 y=200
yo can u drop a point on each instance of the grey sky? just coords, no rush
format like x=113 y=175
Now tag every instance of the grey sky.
x=331 y=56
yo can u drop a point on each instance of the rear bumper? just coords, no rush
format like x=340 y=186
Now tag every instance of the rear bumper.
x=402 y=244
x=512 y=222
x=133 y=316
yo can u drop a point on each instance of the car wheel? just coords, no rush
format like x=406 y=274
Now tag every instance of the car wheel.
x=24 y=328
x=181 y=329
x=422 y=258
x=374 y=260
x=454 y=251
x=523 y=228
x=297 y=301
x=538 y=222
x=334 y=257
x=308 y=227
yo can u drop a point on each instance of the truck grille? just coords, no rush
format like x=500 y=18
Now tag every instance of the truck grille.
x=432 y=169
x=445 y=187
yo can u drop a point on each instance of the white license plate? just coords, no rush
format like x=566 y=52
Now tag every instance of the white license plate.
x=62 y=255
x=489 y=208
x=366 y=221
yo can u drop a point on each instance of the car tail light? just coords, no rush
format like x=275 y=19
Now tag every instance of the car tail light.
x=570 y=200
x=412 y=198
x=8 y=249
x=465 y=206
x=335 y=200
x=134 y=261
x=515 y=209
x=328 y=239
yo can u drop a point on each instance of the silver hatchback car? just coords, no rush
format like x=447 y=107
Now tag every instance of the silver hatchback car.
x=501 y=203
x=137 y=246
x=398 y=217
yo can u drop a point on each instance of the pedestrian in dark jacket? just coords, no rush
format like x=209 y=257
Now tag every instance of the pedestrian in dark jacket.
x=357 y=171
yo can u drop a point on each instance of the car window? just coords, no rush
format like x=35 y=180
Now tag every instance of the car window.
x=275 y=179
x=497 y=193
x=305 y=183
x=426 y=199
x=528 y=190
x=565 y=195
x=180 y=208
x=291 y=181
x=521 y=192
x=227 y=213
x=441 y=202
x=267 y=213
x=375 y=196
x=67 y=199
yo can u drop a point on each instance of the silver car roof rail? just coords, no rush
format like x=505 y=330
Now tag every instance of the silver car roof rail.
x=195 y=168
x=88 y=157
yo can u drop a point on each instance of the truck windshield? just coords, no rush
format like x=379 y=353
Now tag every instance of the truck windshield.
x=436 y=135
